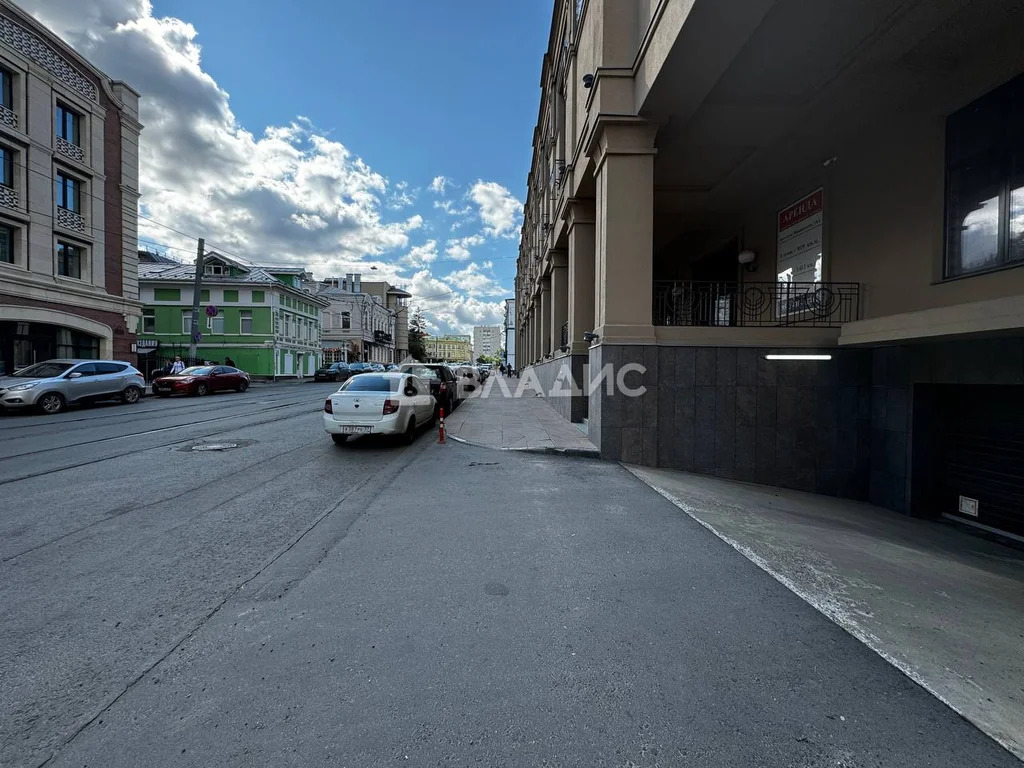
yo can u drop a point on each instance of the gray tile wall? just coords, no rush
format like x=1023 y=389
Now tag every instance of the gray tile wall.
x=570 y=407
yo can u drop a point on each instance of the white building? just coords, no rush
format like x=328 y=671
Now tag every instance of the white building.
x=357 y=326
x=510 y=332
x=486 y=340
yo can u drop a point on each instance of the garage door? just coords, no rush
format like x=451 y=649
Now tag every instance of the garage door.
x=982 y=455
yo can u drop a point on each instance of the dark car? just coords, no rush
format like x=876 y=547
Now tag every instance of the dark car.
x=443 y=385
x=355 y=368
x=333 y=372
x=202 y=380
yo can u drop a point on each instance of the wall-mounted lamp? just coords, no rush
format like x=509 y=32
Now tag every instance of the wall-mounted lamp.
x=588 y=81
x=590 y=337
x=798 y=357
x=748 y=259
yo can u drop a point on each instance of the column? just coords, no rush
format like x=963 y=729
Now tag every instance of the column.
x=623 y=151
x=580 y=219
x=559 y=297
x=545 y=317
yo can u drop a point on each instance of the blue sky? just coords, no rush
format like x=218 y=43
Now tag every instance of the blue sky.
x=351 y=133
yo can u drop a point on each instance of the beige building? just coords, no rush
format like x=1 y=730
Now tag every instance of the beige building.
x=359 y=325
x=717 y=184
x=451 y=349
x=69 y=180
x=394 y=299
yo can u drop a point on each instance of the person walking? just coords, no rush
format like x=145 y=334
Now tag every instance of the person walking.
x=177 y=366
x=229 y=361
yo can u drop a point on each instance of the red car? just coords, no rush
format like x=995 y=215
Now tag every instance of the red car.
x=201 y=380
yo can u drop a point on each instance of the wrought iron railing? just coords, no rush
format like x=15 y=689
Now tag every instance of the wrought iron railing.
x=822 y=305
x=565 y=335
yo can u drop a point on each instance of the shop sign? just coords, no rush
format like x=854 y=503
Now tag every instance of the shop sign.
x=800 y=240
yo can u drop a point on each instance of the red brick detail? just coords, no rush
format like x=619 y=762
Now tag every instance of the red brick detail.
x=123 y=340
x=112 y=200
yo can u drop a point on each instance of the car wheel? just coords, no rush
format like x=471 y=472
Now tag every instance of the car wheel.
x=410 y=431
x=339 y=439
x=242 y=386
x=131 y=395
x=201 y=389
x=52 y=403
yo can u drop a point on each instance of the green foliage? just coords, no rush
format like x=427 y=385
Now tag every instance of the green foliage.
x=417 y=332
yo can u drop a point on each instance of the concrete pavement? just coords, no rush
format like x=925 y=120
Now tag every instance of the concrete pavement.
x=505 y=416
x=945 y=607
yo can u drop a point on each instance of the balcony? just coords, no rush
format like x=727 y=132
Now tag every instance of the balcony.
x=8 y=117
x=8 y=197
x=755 y=305
x=70 y=220
x=66 y=148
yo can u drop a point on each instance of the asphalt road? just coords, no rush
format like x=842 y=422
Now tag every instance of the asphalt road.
x=290 y=602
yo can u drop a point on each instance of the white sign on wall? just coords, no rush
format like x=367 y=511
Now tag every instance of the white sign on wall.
x=800 y=240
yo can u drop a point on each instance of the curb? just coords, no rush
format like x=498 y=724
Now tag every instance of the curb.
x=576 y=453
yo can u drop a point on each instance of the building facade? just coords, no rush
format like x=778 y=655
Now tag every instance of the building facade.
x=69 y=181
x=394 y=299
x=261 y=318
x=359 y=326
x=509 y=332
x=450 y=349
x=852 y=194
x=486 y=340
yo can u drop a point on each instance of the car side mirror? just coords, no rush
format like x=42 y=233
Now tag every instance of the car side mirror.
x=74 y=375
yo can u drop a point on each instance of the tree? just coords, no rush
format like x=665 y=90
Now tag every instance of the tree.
x=417 y=333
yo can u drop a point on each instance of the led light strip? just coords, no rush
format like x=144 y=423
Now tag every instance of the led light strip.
x=798 y=357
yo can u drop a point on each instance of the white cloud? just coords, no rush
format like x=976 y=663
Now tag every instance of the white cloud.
x=458 y=248
x=450 y=208
x=499 y=210
x=289 y=194
x=448 y=311
x=421 y=254
x=475 y=282
x=402 y=196
x=438 y=185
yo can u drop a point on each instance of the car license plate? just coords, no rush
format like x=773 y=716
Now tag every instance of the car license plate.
x=351 y=430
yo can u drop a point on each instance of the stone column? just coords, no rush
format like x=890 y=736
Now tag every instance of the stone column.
x=623 y=152
x=544 y=338
x=580 y=219
x=559 y=297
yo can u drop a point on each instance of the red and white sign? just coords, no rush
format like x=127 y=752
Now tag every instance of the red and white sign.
x=800 y=240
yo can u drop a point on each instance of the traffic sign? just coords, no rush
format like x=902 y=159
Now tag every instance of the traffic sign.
x=197 y=337
x=211 y=311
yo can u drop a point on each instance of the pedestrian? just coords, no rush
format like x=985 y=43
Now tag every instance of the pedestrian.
x=229 y=361
x=177 y=366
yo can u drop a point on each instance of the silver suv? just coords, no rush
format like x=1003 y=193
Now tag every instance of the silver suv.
x=53 y=385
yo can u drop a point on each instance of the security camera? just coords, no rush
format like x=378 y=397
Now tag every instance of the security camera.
x=588 y=81
x=590 y=337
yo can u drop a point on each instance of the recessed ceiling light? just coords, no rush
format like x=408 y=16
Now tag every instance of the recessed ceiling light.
x=798 y=357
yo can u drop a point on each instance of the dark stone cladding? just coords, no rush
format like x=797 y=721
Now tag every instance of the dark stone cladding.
x=123 y=340
x=557 y=379
x=842 y=428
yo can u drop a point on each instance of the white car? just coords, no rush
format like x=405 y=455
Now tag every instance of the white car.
x=379 y=404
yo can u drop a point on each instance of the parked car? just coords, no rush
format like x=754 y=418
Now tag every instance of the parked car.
x=355 y=368
x=441 y=380
x=202 y=380
x=52 y=385
x=379 y=404
x=390 y=367
x=333 y=372
x=469 y=379
x=378 y=367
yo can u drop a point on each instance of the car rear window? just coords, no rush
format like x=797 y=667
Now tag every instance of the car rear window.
x=423 y=372
x=365 y=383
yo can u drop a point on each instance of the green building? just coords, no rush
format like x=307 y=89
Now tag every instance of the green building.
x=261 y=318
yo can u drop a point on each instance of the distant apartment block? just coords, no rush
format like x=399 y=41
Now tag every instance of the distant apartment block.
x=486 y=340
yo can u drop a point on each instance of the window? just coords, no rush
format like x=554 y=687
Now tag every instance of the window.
x=68 y=125
x=6 y=89
x=167 y=294
x=149 y=321
x=213 y=269
x=985 y=183
x=186 y=322
x=257 y=297
x=346 y=320
x=6 y=167
x=69 y=260
x=204 y=295
x=106 y=369
x=6 y=245
x=231 y=296
x=215 y=324
x=68 y=193
x=245 y=321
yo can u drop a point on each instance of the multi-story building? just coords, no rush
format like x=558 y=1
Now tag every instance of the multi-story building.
x=713 y=193
x=486 y=340
x=260 y=317
x=359 y=325
x=452 y=349
x=69 y=180
x=509 y=333
x=394 y=299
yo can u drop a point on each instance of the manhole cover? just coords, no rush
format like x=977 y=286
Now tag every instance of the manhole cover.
x=214 y=447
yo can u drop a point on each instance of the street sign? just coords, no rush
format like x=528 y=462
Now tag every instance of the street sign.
x=211 y=310
x=197 y=337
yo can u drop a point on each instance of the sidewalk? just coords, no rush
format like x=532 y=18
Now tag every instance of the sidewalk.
x=944 y=607
x=492 y=418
